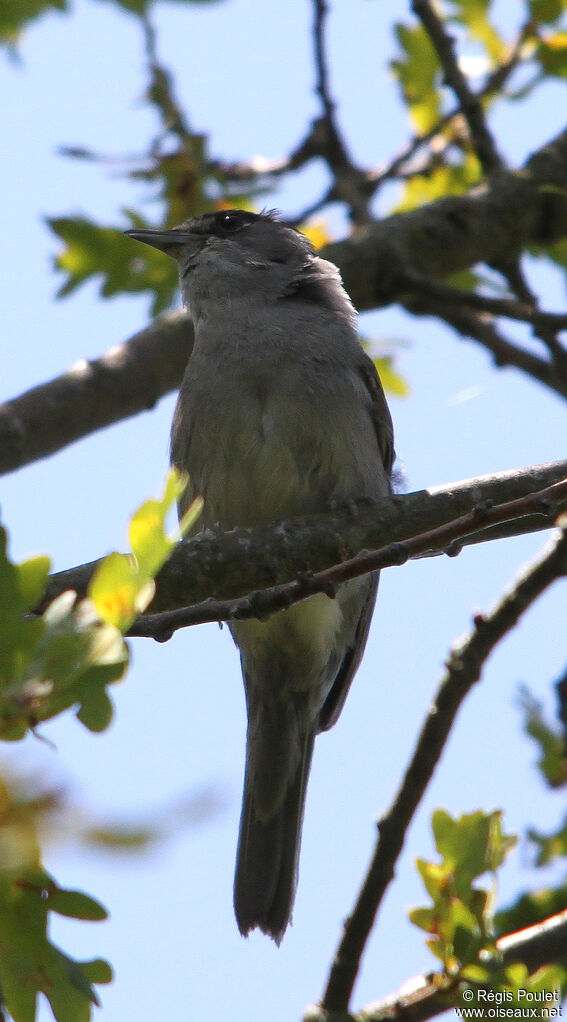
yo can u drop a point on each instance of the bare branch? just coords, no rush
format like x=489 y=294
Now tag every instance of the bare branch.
x=470 y=104
x=128 y=379
x=464 y=669
x=480 y=327
x=449 y=538
x=404 y=164
x=351 y=184
x=235 y=564
x=488 y=225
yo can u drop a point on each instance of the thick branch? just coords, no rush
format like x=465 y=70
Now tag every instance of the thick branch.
x=233 y=564
x=464 y=669
x=128 y=379
x=448 y=538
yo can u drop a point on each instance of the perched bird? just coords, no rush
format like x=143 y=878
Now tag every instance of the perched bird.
x=280 y=413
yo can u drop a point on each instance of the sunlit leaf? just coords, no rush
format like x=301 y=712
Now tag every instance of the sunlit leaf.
x=32 y=578
x=443 y=180
x=122 y=264
x=418 y=72
x=392 y=381
x=460 y=920
x=551 y=52
x=473 y=14
x=318 y=233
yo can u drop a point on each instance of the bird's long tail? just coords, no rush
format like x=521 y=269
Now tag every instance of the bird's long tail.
x=269 y=839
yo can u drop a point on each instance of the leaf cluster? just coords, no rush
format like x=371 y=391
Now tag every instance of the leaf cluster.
x=460 y=919
x=48 y=664
x=30 y=964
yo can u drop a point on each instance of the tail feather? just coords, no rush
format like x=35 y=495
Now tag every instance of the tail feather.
x=268 y=853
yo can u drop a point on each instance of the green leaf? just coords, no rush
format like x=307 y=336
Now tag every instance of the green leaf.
x=97 y=971
x=436 y=876
x=418 y=72
x=76 y=905
x=96 y=709
x=552 y=762
x=18 y=636
x=531 y=908
x=392 y=381
x=106 y=252
x=16 y=14
x=552 y=54
x=550 y=846
x=73 y=656
x=547 y=11
x=425 y=918
x=473 y=14
x=140 y=6
x=30 y=964
x=121 y=838
x=32 y=579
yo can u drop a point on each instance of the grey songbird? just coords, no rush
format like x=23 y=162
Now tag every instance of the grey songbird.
x=280 y=414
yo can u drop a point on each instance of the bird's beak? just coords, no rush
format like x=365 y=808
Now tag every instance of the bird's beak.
x=164 y=240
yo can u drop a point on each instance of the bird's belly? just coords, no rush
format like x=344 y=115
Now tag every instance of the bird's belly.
x=295 y=646
x=265 y=461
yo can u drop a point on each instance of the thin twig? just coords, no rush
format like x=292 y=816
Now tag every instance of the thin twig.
x=480 y=327
x=493 y=85
x=470 y=104
x=351 y=184
x=464 y=667
x=322 y=86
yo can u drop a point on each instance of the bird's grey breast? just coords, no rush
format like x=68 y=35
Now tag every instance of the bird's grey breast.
x=273 y=419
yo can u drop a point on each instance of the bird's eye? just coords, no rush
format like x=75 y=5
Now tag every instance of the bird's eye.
x=230 y=222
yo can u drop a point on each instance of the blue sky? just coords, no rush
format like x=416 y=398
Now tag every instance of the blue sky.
x=244 y=73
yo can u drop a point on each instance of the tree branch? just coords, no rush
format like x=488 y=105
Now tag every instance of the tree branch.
x=424 y=997
x=128 y=379
x=405 y=163
x=489 y=225
x=448 y=538
x=235 y=564
x=470 y=104
x=351 y=184
x=508 y=307
x=464 y=668
x=479 y=326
